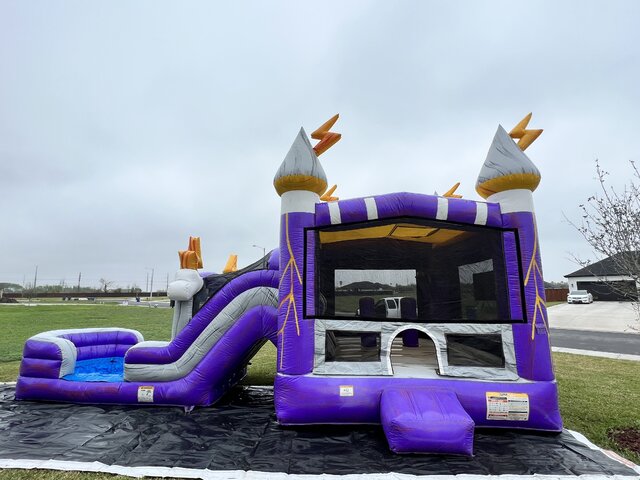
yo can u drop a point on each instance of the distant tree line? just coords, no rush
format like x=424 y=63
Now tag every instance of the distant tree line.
x=105 y=286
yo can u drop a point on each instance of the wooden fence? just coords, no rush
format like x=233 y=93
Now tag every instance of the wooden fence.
x=556 y=294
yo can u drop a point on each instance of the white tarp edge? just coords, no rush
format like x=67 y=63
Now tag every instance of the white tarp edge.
x=178 y=472
x=581 y=438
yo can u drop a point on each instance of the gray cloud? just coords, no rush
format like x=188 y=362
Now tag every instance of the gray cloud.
x=126 y=127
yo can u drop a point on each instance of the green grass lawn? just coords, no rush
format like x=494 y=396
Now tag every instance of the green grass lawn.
x=596 y=394
x=21 y=322
x=551 y=304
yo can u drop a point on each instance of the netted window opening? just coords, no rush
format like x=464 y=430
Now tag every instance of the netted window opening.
x=416 y=270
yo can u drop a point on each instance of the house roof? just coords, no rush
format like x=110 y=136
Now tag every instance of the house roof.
x=609 y=266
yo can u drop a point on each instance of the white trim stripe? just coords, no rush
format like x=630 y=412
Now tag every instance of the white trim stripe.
x=443 y=208
x=482 y=211
x=511 y=201
x=334 y=212
x=372 y=208
x=296 y=201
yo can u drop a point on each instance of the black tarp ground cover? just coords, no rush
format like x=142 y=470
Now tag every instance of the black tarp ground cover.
x=241 y=434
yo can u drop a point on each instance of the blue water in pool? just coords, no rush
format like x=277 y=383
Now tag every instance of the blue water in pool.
x=109 y=369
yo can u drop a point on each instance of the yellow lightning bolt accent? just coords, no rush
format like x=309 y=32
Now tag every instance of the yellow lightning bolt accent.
x=327 y=196
x=534 y=269
x=290 y=268
x=451 y=193
x=525 y=137
x=327 y=139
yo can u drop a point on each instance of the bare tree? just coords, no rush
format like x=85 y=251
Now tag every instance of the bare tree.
x=105 y=284
x=611 y=225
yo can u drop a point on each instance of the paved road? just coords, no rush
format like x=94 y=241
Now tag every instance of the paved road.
x=597 y=316
x=625 y=343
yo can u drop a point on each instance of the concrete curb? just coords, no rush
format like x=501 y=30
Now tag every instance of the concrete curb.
x=592 y=353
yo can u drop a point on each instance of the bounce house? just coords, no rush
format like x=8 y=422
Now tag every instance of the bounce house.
x=422 y=313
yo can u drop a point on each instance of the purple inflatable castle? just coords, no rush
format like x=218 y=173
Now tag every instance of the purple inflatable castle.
x=422 y=313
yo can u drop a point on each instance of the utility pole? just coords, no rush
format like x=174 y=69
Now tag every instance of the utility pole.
x=151 y=293
x=35 y=282
x=264 y=254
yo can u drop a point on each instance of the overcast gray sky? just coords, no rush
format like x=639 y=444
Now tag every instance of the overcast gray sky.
x=127 y=126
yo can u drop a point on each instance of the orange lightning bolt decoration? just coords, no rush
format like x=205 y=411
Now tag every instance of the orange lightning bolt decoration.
x=192 y=257
x=327 y=196
x=327 y=139
x=231 y=265
x=451 y=193
x=525 y=137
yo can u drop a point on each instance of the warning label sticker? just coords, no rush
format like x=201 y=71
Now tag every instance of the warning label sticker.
x=145 y=394
x=507 y=406
x=346 y=390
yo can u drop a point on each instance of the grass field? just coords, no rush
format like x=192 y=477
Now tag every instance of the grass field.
x=596 y=394
x=22 y=322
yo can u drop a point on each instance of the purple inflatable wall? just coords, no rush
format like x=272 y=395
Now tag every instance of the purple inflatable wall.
x=303 y=398
x=295 y=334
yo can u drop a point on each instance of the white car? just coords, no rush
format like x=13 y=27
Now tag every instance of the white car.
x=579 y=296
x=388 y=307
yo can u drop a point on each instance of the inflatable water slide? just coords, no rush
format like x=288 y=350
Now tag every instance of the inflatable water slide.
x=219 y=323
x=422 y=313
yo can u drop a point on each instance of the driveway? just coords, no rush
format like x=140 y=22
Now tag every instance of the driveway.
x=597 y=316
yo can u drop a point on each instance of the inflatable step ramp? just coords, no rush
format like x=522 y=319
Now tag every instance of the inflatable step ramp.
x=426 y=420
